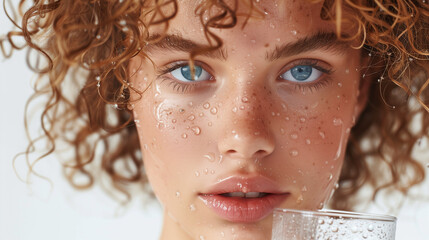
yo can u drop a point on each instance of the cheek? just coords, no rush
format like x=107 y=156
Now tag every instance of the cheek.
x=311 y=141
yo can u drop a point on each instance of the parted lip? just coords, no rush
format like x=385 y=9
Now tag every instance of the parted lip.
x=245 y=184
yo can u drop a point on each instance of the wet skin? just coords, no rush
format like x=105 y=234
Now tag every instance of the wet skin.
x=251 y=113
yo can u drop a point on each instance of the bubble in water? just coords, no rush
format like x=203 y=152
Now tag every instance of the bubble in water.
x=206 y=105
x=191 y=117
x=184 y=136
x=177 y=194
x=196 y=130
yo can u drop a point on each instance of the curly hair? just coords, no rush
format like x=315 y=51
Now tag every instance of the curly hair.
x=88 y=44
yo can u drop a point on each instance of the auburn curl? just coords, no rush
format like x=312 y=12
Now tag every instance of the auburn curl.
x=87 y=45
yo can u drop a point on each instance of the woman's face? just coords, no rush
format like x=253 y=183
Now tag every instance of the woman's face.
x=262 y=124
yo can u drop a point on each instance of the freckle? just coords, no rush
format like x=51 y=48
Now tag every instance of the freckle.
x=266 y=45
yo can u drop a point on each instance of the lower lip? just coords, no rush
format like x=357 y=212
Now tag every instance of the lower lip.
x=236 y=209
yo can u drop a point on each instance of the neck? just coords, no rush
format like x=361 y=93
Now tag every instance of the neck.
x=172 y=229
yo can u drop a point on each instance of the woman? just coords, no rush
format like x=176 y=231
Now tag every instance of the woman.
x=236 y=107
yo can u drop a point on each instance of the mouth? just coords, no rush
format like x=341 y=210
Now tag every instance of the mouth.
x=240 y=199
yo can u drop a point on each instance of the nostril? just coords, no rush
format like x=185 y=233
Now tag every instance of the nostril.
x=260 y=152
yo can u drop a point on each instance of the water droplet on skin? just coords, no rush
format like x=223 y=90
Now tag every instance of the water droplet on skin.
x=210 y=157
x=347 y=71
x=257 y=133
x=220 y=158
x=196 y=130
x=294 y=135
x=177 y=194
x=293 y=32
x=181 y=110
x=174 y=121
x=206 y=171
x=337 y=122
x=234 y=109
x=222 y=234
x=212 y=172
x=210 y=124
x=299 y=199
x=322 y=134
x=302 y=119
x=278 y=39
x=197 y=174
x=308 y=141
x=253 y=41
x=244 y=99
x=287 y=118
x=184 y=136
x=190 y=104
x=202 y=237
x=206 y=105
x=192 y=207
x=213 y=110
x=330 y=177
x=191 y=117
x=340 y=84
x=272 y=25
x=282 y=131
x=294 y=153
x=321 y=205
x=241 y=107
x=273 y=114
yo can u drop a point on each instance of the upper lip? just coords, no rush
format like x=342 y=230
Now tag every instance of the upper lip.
x=244 y=184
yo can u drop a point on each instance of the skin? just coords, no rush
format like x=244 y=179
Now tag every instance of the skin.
x=245 y=120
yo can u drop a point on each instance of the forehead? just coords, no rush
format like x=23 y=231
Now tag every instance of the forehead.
x=267 y=19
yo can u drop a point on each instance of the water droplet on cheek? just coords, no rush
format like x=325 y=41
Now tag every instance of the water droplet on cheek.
x=184 y=136
x=206 y=105
x=294 y=135
x=213 y=110
x=210 y=157
x=322 y=134
x=191 y=117
x=299 y=199
x=245 y=99
x=308 y=141
x=321 y=205
x=197 y=174
x=192 y=208
x=177 y=194
x=294 y=153
x=196 y=130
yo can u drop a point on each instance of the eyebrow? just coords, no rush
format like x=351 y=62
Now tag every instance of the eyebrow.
x=178 y=43
x=321 y=40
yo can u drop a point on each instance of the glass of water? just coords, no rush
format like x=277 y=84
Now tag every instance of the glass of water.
x=289 y=224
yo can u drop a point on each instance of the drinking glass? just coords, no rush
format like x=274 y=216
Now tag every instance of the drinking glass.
x=289 y=224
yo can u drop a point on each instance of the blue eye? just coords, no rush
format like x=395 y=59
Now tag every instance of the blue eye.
x=302 y=73
x=184 y=74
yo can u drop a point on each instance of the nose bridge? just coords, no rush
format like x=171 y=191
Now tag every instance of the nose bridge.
x=246 y=124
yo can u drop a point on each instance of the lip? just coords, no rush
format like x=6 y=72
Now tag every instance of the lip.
x=236 y=209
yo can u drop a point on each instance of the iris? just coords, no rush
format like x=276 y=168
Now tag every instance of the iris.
x=301 y=72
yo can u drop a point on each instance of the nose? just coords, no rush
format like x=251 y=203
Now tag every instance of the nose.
x=246 y=133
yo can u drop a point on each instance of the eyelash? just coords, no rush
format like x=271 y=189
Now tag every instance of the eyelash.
x=183 y=87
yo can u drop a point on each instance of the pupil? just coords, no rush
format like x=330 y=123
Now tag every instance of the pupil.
x=186 y=72
x=302 y=72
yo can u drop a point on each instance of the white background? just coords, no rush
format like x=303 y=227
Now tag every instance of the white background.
x=35 y=211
